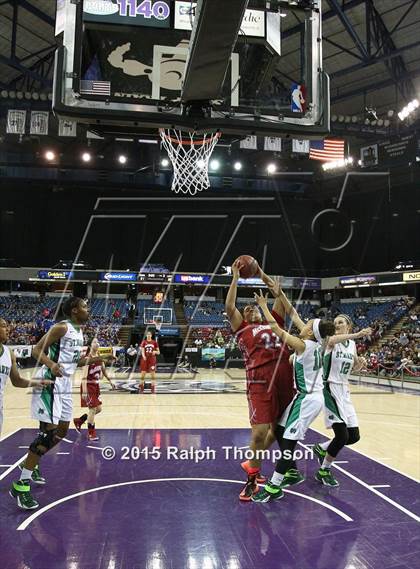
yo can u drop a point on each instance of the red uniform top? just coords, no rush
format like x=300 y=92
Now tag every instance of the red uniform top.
x=94 y=373
x=149 y=348
x=259 y=345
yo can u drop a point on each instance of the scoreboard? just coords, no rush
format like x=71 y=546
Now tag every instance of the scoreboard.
x=154 y=278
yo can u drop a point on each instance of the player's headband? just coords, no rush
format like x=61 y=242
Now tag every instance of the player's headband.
x=315 y=328
x=346 y=318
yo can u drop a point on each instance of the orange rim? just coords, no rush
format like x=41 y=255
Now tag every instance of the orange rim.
x=190 y=142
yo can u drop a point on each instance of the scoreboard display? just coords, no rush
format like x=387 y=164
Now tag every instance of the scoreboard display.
x=154 y=278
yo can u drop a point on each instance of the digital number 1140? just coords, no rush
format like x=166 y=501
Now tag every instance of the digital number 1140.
x=147 y=9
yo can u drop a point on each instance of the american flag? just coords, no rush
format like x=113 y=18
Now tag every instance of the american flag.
x=95 y=87
x=327 y=150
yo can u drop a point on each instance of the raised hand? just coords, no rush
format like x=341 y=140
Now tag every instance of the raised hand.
x=260 y=298
x=236 y=267
x=365 y=332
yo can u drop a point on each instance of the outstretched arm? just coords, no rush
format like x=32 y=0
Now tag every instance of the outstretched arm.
x=233 y=314
x=336 y=339
x=271 y=283
x=297 y=344
x=282 y=299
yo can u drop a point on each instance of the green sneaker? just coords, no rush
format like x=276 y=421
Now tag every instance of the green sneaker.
x=326 y=477
x=21 y=490
x=291 y=478
x=320 y=453
x=269 y=493
x=36 y=474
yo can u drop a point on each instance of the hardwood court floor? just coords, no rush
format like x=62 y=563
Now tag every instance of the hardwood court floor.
x=389 y=422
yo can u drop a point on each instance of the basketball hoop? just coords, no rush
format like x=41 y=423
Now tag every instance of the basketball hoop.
x=158 y=321
x=190 y=155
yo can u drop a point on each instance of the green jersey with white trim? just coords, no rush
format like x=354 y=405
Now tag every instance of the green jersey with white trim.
x=66 y=352
x=339 y=362
x=307 y=368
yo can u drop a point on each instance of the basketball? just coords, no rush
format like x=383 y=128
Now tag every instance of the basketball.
x=249 y=266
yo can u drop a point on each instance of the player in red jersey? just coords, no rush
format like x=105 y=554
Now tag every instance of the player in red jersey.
x=270 y=386
x=90 y=392
x=149 y=350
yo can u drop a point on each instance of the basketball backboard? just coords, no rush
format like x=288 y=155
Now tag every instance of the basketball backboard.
x=121 y=69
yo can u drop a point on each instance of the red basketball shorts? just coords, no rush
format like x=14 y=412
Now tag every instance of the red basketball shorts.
x=147 y=365
x=270 y=389
x=93 y=393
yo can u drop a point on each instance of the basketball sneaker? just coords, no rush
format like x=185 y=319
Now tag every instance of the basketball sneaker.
x=78 y=425
x=269 y=493
x=292 y=478
x=326 y=477
x=250 y=488
x=319 y=452
x=261 y=479
x=92 y=436
x=36 y=474
x=21 y=490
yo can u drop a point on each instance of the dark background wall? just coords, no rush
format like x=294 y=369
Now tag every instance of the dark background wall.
x=41 y=224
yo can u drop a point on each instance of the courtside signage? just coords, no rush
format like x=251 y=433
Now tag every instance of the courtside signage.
x=360 y=279
x=55 y=275
x=118 y=277
x=200 y=279
x=411 y=277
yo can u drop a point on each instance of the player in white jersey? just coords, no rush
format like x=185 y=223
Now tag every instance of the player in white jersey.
x=52 y=406
x=340 y=359
x=8 y=368
x=308 y=401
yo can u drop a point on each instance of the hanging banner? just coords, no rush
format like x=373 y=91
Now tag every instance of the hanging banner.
x=300 y=146
x=249 y=143
x=397 y=150
x=67 y=128
x=272 y=143
x=16 y=122
x=39 y=122
x=369 y=155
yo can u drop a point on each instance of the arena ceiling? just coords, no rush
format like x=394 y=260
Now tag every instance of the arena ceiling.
x=371 y=50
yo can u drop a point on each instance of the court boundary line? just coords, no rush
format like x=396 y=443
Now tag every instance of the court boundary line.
x=48 y=507
x=12 y=467
x=10 y=434
x=412 y=515
x=374 y=459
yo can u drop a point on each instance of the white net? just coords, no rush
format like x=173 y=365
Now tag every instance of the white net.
x=190 y=155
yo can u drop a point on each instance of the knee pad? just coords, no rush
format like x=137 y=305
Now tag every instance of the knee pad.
x=45 y=439
x=354 y=435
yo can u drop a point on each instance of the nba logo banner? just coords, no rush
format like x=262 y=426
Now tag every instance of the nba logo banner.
x=272 y=143
x=39 y=122
x=16 y=122
x=298 y=98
